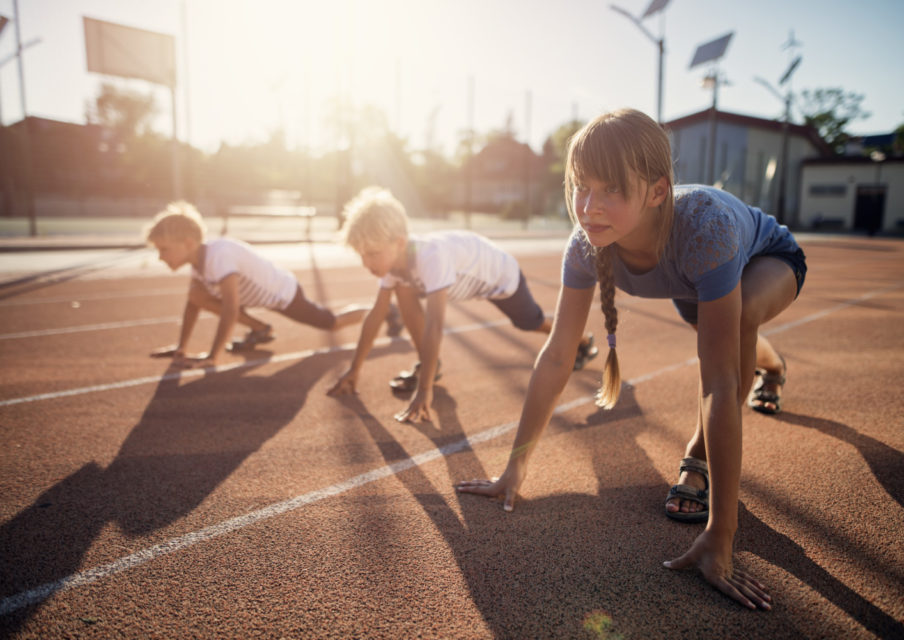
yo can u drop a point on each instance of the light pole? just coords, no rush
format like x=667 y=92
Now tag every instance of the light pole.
x=783 y=171
x=712 y=52
x=786 y=121
x=655 y=7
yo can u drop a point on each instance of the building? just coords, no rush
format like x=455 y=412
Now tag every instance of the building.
x=853 y=193
x=744 y=157
x=505 y=174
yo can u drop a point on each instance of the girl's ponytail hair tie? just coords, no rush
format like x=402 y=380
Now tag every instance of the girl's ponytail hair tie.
x=611 y=340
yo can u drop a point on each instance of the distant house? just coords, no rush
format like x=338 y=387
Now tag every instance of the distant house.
x=505 y=173
x=747 y=157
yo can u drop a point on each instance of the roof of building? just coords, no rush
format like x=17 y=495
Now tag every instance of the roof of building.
x=753 y=122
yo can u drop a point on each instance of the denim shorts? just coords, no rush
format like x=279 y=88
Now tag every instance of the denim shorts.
x=794 y=259
x=521 y=308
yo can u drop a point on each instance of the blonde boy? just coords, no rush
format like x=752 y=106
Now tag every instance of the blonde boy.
x=228 y=276
x=439 y=267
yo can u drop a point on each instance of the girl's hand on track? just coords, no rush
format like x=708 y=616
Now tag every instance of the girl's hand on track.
x=505 y=487
x=711 y=553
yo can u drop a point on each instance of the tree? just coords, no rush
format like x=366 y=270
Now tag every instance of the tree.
x=127 y=113
x=830 y=111
x=554 y=149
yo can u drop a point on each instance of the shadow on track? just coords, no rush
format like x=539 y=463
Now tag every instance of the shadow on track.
x=41 y=279
x=886 y=463
x=567 y=564
x=192 y=436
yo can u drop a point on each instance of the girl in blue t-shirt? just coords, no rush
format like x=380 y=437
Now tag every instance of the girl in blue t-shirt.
x=728 y=268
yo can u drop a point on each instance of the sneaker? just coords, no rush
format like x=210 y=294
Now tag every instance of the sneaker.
x=394 y=324
x=586 y=353
x=253 y=338
x=406 y=381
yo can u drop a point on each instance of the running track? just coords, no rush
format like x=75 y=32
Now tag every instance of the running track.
x=244 y=502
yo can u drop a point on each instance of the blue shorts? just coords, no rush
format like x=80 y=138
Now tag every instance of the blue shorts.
x=521 y=308
x=794 y=259
x=303 y=310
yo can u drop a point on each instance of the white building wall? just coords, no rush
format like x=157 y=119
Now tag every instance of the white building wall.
x=829 y=193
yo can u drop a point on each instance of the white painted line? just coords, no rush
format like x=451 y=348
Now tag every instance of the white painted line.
x=106 y=295
x=182 y=373
x=127 y=324
x=42 y=592
x=193 y=373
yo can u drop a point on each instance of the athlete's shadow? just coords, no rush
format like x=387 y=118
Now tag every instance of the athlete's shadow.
x=523 y=585
x=191 y=437
x=886 y=463
x=569 y=563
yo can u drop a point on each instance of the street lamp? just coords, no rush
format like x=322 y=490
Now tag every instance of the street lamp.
x=712 y=52
x=655 y=7
x=786 y=121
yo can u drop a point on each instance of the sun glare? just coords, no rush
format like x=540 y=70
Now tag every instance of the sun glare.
x=277 y=65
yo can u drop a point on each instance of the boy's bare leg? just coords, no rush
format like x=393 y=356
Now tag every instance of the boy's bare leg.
x=352 y=314
x=203 y=299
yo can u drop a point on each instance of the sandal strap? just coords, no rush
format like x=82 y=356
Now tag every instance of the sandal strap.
x=687 y=492
x=697 y=465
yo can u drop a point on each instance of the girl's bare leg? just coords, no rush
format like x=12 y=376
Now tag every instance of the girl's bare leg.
x=762 y=301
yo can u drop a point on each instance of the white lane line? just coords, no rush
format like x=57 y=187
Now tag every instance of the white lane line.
x=194 y=373
x=183 y=373
x=42 y=592
x=106 y=295
x=125 y=324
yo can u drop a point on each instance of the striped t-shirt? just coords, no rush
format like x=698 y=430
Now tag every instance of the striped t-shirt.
x=261 y=283
x=465 y=263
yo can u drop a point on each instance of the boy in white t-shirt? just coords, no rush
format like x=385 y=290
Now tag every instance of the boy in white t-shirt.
x=229 y=276
x=440 y=267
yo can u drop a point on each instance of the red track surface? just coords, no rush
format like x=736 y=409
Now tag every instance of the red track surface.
x=246 y=503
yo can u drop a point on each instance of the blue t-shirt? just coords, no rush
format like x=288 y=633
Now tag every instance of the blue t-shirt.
x=714 y=235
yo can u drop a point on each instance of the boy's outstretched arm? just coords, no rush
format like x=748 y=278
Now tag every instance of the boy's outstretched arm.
x=428 y=354
x=370 y=327
x=189 y=319
x=229 y=314
x=551 y=372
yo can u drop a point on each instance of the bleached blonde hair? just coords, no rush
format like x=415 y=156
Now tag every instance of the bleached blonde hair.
x=179 y=221
x=373 y=219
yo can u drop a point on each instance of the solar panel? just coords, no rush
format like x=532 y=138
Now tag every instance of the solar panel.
x=711 y=50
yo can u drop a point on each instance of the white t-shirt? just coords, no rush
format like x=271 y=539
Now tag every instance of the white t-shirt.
x=466 y=263
x=261 y=283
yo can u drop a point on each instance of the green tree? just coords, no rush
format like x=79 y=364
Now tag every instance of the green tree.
x=554 y=149
x=830 y=111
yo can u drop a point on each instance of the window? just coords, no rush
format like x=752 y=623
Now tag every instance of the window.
x=828 y=190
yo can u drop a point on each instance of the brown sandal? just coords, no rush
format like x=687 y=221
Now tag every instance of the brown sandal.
x=761 y=395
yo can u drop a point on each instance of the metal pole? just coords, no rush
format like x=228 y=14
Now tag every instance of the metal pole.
x=783 y=174
x=659 y=86
x=712 y=130
x=527 y=161
x=27 y=160
x=177 y=164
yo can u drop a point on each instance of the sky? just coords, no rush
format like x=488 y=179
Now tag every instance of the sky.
x=438 y=67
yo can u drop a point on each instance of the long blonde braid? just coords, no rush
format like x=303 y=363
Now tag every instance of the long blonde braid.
x=607 y=396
